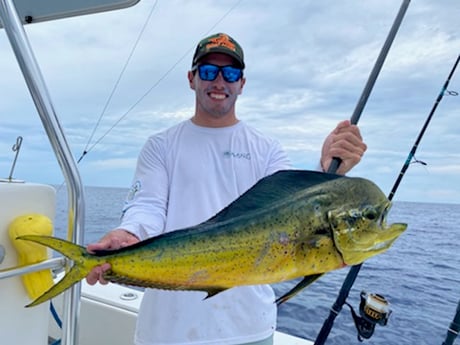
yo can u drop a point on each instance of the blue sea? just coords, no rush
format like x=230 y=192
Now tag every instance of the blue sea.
x=419 y=275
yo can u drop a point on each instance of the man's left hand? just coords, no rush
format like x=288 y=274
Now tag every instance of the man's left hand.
x=344 y=142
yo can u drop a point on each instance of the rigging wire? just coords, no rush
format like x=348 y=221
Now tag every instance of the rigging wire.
x=146 y=93
x=109 y=99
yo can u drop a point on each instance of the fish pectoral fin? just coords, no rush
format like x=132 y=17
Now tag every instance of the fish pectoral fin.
x=213 y=292
x=307 y=280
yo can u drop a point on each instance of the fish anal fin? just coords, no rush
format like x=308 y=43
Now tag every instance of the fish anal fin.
x=113 y=277
x=307 y=280
x=213 y=292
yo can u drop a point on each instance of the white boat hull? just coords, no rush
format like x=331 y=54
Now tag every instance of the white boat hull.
x=19 y=325
x=109 y=312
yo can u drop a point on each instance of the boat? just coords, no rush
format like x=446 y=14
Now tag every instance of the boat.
x=78 y=315
x=83 y=310
x=100 y=307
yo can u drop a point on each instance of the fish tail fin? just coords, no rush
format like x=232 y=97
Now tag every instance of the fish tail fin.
x=81 y=264
x=71 y=278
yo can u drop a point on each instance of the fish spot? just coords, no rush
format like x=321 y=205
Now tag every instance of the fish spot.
x=322 y=231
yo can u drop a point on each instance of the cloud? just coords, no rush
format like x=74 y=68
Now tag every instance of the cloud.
x=307 y=64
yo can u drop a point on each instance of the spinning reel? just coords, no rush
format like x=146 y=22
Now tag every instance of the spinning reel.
x=373 y=309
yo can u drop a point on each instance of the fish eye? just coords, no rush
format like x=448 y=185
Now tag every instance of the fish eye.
x=370 y=213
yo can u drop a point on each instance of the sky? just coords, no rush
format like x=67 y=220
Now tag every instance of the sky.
x=307 y=63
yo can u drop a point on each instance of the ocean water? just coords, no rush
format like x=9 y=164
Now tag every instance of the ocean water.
x=419 y=275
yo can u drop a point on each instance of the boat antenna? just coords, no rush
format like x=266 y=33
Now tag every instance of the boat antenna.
x=352 y=274
x=354 y=270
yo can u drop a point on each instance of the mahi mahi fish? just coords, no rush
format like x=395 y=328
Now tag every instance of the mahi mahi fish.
x=294 y=223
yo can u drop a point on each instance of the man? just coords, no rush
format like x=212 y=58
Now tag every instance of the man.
x=187 y=174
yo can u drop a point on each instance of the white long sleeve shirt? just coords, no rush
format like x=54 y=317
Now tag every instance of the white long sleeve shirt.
x=184 y=176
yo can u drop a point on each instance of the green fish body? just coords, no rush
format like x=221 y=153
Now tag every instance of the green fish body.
x=291 y=224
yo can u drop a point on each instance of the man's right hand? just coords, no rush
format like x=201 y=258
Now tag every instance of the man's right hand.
x=113 y=240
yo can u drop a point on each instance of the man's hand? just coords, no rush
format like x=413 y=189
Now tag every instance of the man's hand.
x=344 y=142
x=115 y=239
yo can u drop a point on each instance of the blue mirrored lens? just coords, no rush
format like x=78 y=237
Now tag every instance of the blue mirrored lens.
x=231 y=74
x=209 y=72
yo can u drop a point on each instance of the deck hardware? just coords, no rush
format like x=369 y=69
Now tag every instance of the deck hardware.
x=129 y=296
x=16 y=148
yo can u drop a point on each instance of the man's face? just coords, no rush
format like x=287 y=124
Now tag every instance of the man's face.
x=216 y=98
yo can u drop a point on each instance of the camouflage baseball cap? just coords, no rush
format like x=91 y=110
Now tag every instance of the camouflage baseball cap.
x=219 y=43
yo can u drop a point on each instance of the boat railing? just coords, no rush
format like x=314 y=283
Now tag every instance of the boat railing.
x=38 y=90
x=52 y=264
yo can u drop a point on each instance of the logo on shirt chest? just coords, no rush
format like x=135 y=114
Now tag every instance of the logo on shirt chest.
x=237 y=155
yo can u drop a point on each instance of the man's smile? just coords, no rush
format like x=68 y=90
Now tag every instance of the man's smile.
x=218 y=96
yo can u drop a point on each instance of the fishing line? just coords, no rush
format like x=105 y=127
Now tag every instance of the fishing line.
x=354 y=270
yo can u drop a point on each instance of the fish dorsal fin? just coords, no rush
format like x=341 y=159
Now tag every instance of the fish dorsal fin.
x=270 y=189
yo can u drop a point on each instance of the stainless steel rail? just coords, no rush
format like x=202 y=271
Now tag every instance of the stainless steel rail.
x=38 y=90
x=55 y=263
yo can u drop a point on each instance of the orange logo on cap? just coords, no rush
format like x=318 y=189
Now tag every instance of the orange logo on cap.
x=221 y=41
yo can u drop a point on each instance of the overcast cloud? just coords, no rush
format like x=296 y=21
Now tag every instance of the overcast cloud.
x=307 y=64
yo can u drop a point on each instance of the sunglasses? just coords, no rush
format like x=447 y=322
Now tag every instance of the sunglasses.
x=208 y=72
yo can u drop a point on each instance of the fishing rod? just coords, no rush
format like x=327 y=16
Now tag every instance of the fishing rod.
x=354 y=270
x=454 y=328
x=411 y=155
x=373 y=76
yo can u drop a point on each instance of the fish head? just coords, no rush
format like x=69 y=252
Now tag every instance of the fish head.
x=359 y=225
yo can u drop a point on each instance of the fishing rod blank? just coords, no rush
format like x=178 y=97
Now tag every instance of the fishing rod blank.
x=354 y=270
x=454 y=328
x=422 y=132
x=373 y=76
